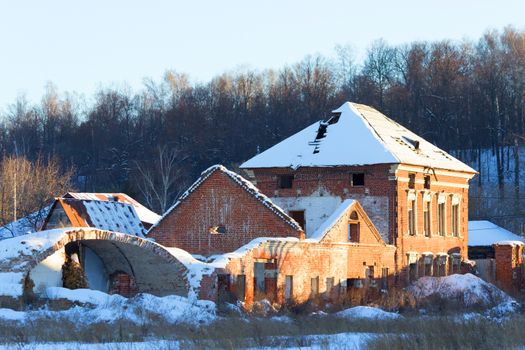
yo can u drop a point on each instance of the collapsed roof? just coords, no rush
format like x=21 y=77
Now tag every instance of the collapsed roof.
x=355 y=135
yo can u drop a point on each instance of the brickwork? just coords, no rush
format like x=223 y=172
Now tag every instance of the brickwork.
x=219 y=216
x=509 y=266
x=396 y=184
x=333 y=264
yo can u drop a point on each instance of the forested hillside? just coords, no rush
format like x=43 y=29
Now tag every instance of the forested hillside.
x=466 y=96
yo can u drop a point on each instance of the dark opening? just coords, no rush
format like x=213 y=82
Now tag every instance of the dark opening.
x=358 y=179
x=411 y=181
x=286 y=181
x=241 y=287
x=353 y=232
x=218 y=230
x=427 y=182
x=298 y=215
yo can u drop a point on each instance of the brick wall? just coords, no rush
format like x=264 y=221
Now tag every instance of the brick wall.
x=509 y=266
x=219 y=201
x=332 y=264
x=388 y=187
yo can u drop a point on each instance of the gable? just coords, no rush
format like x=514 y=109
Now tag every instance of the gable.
x=337 y=227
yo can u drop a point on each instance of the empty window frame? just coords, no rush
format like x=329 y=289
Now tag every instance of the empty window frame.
x=298 y=215
x=455 y=220
x=384 y=278
x=353 y=228
x=411 y=217
x=411 y=181
x=426 y=218
x=286 y=181
x=329 y=284
x=218 y=230
x=288 y=288
x=314 y=286
x=441 y=219
x=427 y=182
x=358 y=179
x=428 y=261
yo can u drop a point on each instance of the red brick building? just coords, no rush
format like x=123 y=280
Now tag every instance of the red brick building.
x=219 y=213
x=415 y=193
x=356 y=200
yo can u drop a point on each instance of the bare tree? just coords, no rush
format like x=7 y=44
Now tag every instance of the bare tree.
x=160 y=183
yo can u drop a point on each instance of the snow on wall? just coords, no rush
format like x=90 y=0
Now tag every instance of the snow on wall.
x=48 y=273
x=317 y=209
x=319 y=206
x=96 y=274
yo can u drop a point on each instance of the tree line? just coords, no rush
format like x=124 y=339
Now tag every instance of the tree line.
x=461 y=95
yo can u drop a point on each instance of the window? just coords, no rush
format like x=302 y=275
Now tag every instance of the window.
x=412 y=217
x=441 y=219
x=298 y=215
x=358 y=179
x=286 y=181
x=218 y=230
x=288 y=287
x=384 y=278
x=428 y=261
x=426 y=218
x=353 y=232
x=241 y=287
x=353 y=228
x=427 y=182
x=329 y=284
x=455 y=220
x=411 y=181
x=314 y=286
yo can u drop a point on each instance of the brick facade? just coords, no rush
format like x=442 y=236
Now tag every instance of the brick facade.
x=509 y=266
x=385 y=196
x=218 y=217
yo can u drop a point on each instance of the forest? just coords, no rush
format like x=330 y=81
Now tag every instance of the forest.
x=467 y=97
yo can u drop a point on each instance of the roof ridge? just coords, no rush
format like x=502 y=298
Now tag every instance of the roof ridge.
x=239 y=180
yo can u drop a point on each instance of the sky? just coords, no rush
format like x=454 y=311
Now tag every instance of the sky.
x=81 y=46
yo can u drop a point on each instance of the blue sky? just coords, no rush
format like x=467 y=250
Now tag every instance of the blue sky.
x=82 y=45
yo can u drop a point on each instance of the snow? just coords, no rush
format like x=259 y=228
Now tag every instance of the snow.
x=471 y=289
x=486 y=233
x=12 y=315
x=332 y=220
x=196 y=270
x=11 y=283
x=143 y=213
x=359 y=128
x=367 y=312
x=245 y=184
x=30 y=244
x=114 y=216
x=24 y=225
x=512 y=243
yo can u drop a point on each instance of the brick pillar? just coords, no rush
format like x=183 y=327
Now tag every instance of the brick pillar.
x=509 y=265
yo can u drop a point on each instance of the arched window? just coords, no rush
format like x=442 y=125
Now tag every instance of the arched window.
x=353 y=228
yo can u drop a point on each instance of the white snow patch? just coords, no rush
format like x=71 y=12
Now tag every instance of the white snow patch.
x=367 y=312
x=471 y=289
x=359 y=128
x=11 y=283
x=30 y=244
x=332 y=220
x=486 y=233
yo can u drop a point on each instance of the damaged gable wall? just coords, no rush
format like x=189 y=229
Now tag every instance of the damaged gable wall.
x=219 y=216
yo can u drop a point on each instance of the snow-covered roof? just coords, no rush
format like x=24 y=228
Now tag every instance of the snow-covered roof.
x=145 y=215
x=243 y=183
x=355 y=135
x=486 y=233
x=332 y=220
x=25 y=225
x=101 y=214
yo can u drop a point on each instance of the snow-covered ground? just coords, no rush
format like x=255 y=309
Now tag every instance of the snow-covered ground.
x=468 y=289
